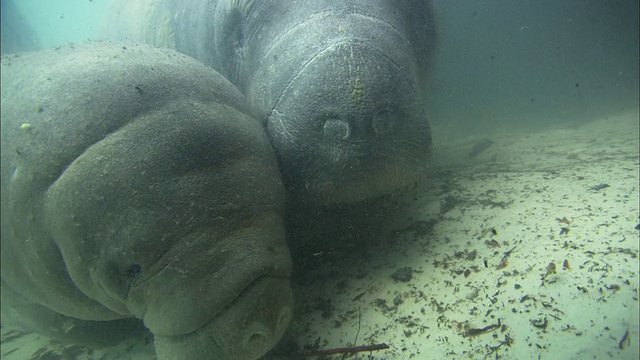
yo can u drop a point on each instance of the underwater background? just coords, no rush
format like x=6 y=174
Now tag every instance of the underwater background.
x=525 y=242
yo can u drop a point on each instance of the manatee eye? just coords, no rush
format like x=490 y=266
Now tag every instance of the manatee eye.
x=134 y=269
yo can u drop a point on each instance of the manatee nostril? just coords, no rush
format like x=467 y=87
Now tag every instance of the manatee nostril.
x=383 y=122
x=336 y=129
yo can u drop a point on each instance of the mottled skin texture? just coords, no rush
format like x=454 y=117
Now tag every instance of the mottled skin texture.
x=136 y=186
x=339 y=84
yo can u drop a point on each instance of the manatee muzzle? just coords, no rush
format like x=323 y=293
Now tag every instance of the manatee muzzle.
x=216 y=291
x=343 y=106
x=246 y=330
x=351 y=124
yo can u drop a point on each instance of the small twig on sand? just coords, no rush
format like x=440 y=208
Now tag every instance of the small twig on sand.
x=345 y=350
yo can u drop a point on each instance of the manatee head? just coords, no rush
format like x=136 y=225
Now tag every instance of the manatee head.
x=143 y=188
x=179 y=223
x=340 y=85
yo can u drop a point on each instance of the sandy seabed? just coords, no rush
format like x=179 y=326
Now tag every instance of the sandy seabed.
x=521 y=247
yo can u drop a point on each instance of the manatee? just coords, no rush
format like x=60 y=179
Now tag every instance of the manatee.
x=139 y=189
x=339 y=84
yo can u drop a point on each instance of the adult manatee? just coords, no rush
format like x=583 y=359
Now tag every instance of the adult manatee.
x=339 y=83
x=135 y=184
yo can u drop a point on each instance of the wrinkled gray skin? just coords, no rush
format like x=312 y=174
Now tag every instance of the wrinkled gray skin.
x=339 y=83
x=136 y=186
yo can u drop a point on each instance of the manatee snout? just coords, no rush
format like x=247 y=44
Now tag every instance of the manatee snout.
x=350 y=125
x=256 y=322
x=138 y=188
x=341 y=87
